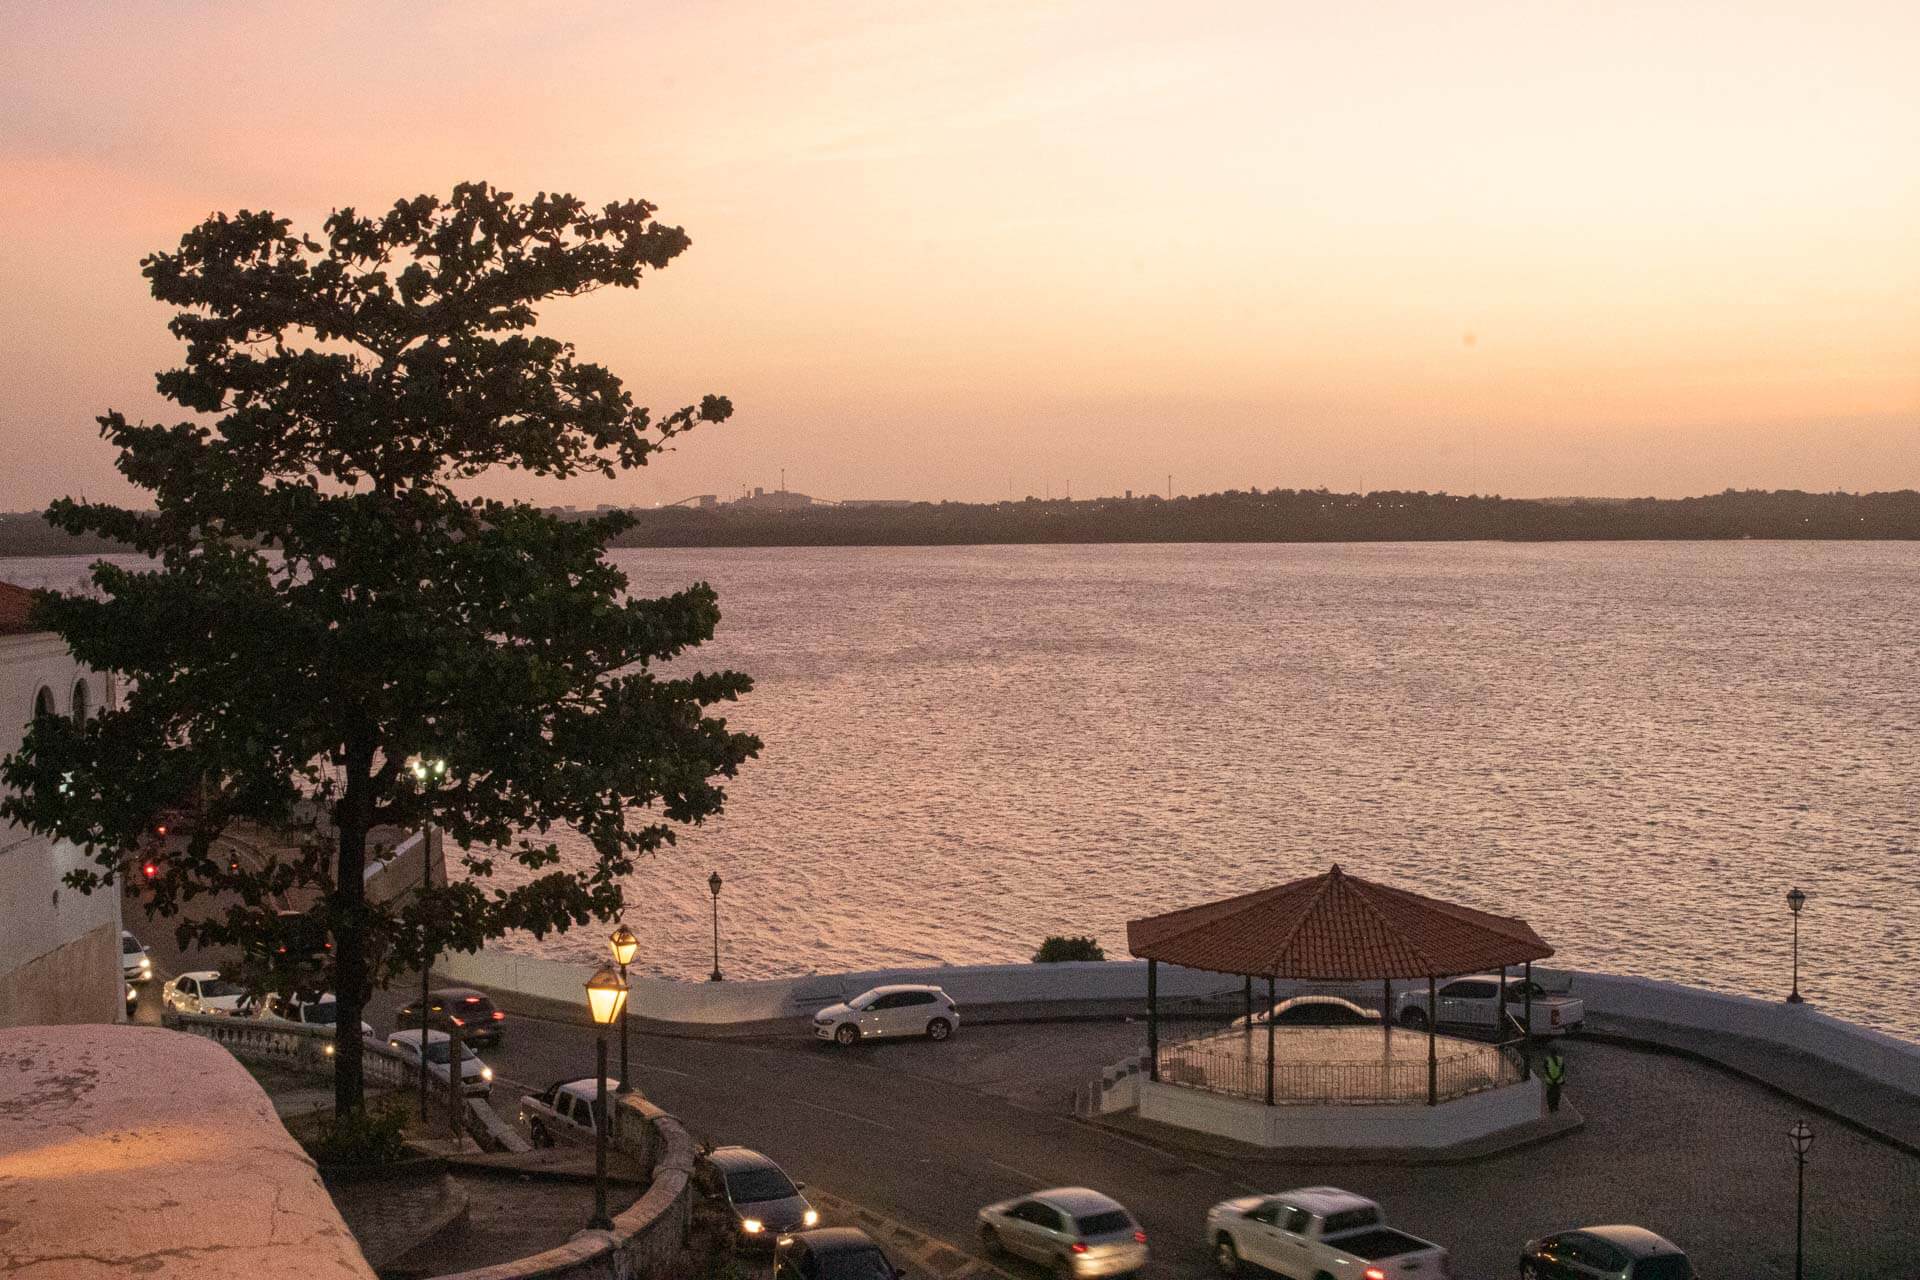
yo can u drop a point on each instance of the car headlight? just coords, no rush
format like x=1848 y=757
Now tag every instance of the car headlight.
x=486 y=1073
x=329 y=1051
x=752 y=1226
x=811 y=1217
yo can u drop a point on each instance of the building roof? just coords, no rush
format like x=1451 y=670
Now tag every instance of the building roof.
x=16 y=609
x=1335 y=927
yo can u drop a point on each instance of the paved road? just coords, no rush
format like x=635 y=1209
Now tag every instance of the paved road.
x=926 y=1133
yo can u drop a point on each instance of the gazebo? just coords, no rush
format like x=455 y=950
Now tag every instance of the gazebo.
x=1333 y=928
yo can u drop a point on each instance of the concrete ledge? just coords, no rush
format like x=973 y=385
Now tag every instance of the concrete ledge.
x=1345 y=1128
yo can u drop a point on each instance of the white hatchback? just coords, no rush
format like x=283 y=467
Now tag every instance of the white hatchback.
x=899 y=1010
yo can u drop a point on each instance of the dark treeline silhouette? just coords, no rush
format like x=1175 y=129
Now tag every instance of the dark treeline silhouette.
x=1273 y=515
x=1292 y=515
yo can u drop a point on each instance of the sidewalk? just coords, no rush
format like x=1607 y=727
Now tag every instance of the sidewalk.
x=1874 y=1109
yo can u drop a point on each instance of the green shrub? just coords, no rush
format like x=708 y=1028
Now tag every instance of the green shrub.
x=364 y=1137
x=1058 y=948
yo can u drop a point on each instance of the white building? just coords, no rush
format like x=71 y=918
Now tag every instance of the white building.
x=59 y=948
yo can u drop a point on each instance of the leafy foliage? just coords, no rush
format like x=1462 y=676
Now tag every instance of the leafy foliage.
x=1058 y=948
x=325 y=610
x=363 y=1137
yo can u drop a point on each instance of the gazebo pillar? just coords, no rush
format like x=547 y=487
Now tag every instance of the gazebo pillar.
x=1153 y=1020
x=1386 y=1016
x=1269 y=1039
x=1433 y=1045
x=1503 y=1002
x=1526 y=1043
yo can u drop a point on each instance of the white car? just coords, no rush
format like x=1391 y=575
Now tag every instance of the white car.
x=1073 y=1232
x=323 y=1011
x=206 y=992
x=1475 y=1002
x=476 y=1077
x=135 y=964
x=1317 y=1231
x=564 y=1111
x=900 y=1010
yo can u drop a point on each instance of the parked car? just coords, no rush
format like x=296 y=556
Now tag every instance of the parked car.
x=1475 y=1002
x=1072 y=1231
x=322 y=1010
x=303 y=937
x=135 y=964
x=565 y=1111
x=765 y=1202
x=476 y=1077
x=1617 y=1253
x=205 y=991
x=832 y=1253
x=899 y=1010
x=1314 y=1011
x=1317 y=1231
x=463 y=1007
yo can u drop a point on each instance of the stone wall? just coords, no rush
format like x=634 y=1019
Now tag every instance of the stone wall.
x=78 y=981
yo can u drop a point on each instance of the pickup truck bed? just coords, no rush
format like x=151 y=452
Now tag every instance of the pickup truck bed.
x=1378 y=1244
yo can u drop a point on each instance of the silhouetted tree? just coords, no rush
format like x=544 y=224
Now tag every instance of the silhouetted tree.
x=325 y=611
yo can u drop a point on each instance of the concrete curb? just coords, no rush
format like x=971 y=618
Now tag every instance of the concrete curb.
x=1566 y=1122
x=905 y=1245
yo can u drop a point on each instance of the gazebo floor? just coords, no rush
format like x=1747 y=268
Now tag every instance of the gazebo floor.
x=1353 y=1065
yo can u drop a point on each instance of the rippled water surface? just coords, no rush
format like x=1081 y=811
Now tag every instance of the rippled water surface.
x=1637 y=747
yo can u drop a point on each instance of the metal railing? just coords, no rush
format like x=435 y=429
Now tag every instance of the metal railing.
x=1465 y=1068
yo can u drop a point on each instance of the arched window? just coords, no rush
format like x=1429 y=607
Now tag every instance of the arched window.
x=43 y=702
x=80 y=700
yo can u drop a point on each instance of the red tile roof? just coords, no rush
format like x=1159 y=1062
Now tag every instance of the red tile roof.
x=1335 y=927
x=16 y=604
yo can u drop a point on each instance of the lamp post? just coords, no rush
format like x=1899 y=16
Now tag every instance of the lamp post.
x=624 y=945
x=606 y=1001
x=1802 y=1137
x=1795 y=901
x=713 y=887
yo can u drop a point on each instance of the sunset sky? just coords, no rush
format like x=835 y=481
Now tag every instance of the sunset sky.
x=957 y=250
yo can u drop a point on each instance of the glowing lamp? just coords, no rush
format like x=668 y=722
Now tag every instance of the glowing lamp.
x=625 y=946
x=607 y=995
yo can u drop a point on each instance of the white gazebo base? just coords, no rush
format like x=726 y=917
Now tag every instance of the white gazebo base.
x=1382 y=1125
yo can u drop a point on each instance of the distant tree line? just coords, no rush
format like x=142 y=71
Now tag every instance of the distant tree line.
x=1292 y=515
x=1271 y=515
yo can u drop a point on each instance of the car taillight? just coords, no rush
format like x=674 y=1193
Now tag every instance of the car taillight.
x=458 y=1022
x=1139 y=1237
x=1374 y=1273
x=1079 y=1247
x=149 y=868
x=498 y=1016
x=473 y=999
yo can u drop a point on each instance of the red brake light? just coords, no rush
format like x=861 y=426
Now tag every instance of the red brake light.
x=149 y=868
x=1139 y=1237
x=1375 y=1273
x=160 y=829
x=498 y=1016
x=458 y=1022
x=1078 y=1247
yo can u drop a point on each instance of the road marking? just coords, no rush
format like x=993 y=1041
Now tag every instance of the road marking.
x=1019 y=1173
x=665 y=1071
x=848 y=1114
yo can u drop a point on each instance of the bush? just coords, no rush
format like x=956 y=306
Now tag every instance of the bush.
x=1057 y=948
x=363 y=1137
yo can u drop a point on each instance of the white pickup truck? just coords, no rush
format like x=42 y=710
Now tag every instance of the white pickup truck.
x=1475 y=1002
x=1315 y=1232
x=565 y=1111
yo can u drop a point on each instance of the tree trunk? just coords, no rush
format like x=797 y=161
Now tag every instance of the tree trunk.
x=346 y=917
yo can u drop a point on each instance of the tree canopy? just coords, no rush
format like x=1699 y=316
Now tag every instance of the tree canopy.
x=325 y=608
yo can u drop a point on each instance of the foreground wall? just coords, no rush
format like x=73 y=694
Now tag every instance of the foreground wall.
x=1041 y=990
x=140 y=1151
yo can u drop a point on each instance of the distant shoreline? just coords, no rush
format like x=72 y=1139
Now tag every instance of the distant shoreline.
x=1252 y=516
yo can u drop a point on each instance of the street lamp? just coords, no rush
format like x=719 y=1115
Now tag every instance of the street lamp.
x=625 y=947
x=1795 y=901
x=713 y=887
x=1802 y=1137
x=606 y=1000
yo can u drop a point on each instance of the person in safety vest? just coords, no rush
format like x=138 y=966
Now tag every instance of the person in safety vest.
x=1554 y=1072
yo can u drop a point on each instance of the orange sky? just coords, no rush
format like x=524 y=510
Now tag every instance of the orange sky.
x=1529 y=248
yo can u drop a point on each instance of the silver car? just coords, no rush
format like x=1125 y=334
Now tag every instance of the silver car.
x=1070 y=1230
